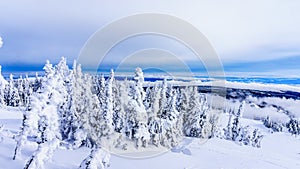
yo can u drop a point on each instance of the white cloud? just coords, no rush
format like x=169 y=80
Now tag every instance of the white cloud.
x=239 y=31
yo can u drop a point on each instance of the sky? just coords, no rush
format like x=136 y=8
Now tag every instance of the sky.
x=249 y=36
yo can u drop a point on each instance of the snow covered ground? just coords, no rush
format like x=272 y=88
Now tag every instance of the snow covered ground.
x=279 y=150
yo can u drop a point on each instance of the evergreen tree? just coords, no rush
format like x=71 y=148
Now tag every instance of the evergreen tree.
x=196 y=116
x=256 y=138
x=3 y=83
x=90 y=108
x=46 y=104
x=276 y=127
x=73 y=125
x=11 y=95
x=42 y=120
x=107 y=114
x=171 y=123
x=102 y=95
x=121 y=100
x=293 y=126
x=163 y=97
x=29 y=128
x=98 y=159
x=153 y=119
x=37 y=84
x=21 y=92
x=136 y=117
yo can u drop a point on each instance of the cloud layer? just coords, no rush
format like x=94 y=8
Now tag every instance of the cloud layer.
x=241 y=32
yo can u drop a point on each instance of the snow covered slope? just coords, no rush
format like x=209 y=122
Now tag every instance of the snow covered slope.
x=279 y=150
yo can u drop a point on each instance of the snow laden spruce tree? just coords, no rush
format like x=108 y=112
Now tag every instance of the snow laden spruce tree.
x=98 y=123
x=136 y=115
x=3 y=83
x=241 y=134
x=120 y=102
x=195 y=117
x=78 y=109
x=170 y=121
x=152 y=111
x=42 y=122
x=11 y=95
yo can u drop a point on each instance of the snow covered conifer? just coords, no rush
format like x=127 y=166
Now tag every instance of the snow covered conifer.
x=171 y=122
x=256 y=138
x=3 y=83
x=148 y=98
x=80 y=94
x=101 y=94
x=11 y=94
x=121 y=100
x=276 y=127
x=62 y=69
x=293 y=127
x=153 y=119
x=27 y=93
x=163 y=97
x=236 y=122
x=98 y=159
x=233 y=127
x=136 y=116
x=45 y=104
x=196 y=116
x=21 y=91
x=37 y=84
x=108 y=106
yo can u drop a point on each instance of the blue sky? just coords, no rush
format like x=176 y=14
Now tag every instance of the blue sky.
x=250 y=36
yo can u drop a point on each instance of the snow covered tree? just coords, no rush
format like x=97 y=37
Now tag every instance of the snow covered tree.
x=3 y=83
x=92 y=123
x=46 y=104
x=91 y=108
x=183 y=99
x=240 y=134
x=153 y=119
x=227 y=130
x=107 y=114
x=195 y=118
x=244 y=136
x=121 y=100
x=233 y=126
x=29 y=128
x=20 y=88
x=211 y=129
x=101 y=94
x=276 y=127
x=11 y=94
x=171 y=122
x=66 y=76
x=231 y=132
x=148 y=98
x=44 y=118
x=98 y=159
x=136 y=116
x=28 y=91
x=37 y=84
x=42 y=155
x=163 y=98
x=63 y=70
x=256 y=138
x=293 y=126
x=99 y=124
x=73 y=132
